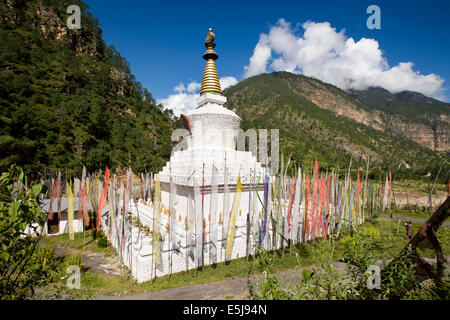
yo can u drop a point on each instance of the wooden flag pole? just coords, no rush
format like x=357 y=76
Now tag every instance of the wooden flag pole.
x=186 y=227
x=427 y=231
x=203 y=217
x=169 y=221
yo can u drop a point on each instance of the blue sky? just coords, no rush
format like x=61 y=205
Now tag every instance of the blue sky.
x=164 y=40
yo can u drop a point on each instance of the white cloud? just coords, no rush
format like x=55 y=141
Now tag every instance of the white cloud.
x=331 y=56
x=226 y=82
x=261 y=55
x=179 y=88
x=185 y=98
x=193 y=86
x=181 y=102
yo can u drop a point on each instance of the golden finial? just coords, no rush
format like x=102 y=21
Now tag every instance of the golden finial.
x=210 y=38
x=210 y=81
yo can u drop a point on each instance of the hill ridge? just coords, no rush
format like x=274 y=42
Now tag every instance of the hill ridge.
x=319 y=120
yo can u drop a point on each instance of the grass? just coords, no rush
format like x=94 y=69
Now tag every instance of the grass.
x=423 y=214
x=83 y=241
x=393 y=234
x=390 y=232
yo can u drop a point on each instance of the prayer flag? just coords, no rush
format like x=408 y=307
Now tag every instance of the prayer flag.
x=291 y=202
x=173 y=214
x=59 y=195
x=314 y=198
x=156 y=223
x=53 y=195
x=262 y=231
x=296 y=208
x=70 y=210
x=234 y=211
x=102 y=199
x=190 y=228
x=198 y=225
x=226 y=205
x=213 y=214
x=307 y=212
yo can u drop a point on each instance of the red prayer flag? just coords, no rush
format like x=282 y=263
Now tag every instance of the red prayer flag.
x=327 y=206
x=307 y=216
x=291 y=202
x=358 y=185
x=52 y=198
x=319 y=218
x=314 y=197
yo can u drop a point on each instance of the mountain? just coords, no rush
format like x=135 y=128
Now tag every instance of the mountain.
x=319 y=120
x=419 y=118
x=68 y=99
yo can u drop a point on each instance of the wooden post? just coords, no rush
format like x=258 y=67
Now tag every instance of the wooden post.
x=432 y=188
x=427 y=231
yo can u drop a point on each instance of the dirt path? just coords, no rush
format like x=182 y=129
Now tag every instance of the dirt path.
x=97 y=262
x=235 y=289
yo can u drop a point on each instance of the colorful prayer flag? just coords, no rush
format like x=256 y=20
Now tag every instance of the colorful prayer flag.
x=102 y=199
x=157 y=223
x=234 y=212
x=173 y=214
x=213 y=214
x=198 y=225
x=70 y=210
x=262 y=231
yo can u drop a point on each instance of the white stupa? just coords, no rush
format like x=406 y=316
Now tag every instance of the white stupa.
x=212 y=142
x=214 y=131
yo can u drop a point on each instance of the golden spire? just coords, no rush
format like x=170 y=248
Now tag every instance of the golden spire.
x=210 y=81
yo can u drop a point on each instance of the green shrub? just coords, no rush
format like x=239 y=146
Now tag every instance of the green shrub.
x=73 y=261
x=359 y=251
x=102 y=243
x=22 y=264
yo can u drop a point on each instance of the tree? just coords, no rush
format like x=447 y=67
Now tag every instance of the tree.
x=20 y=209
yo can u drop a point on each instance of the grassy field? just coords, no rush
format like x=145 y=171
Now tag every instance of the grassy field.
x=414 y=193
x=390 y=233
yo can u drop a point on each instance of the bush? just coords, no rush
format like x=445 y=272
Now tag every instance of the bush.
x=359 y=252
x=102 y=243
x=22 y=264
x=46 y=263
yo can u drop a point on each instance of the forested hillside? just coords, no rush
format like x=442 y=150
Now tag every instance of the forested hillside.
x=68 y=99
x=318 y=120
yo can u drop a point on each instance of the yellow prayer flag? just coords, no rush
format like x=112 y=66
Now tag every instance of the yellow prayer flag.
x=234 y=211
x=70 y=210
